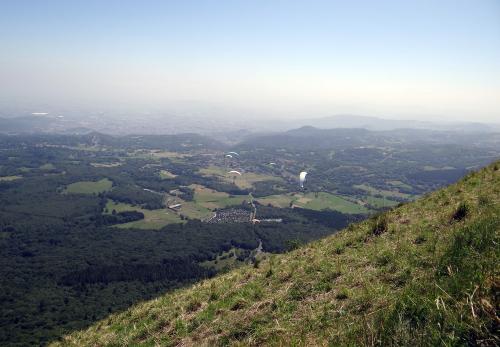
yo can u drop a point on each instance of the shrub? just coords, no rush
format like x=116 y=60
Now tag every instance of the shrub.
x=461 y=212
x=379 y=225
x=342 y=294
x=339 y=249
x=193 y=305
x=483 y=200
x=420 y=239
x=384 y=258
x=256 y=263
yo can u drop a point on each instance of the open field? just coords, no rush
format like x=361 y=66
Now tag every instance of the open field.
x=194 y=210
x=115 y=164
x=432 y=168
x=379 y=202
x=385 y=193
x=245 y=181
x=156 y=155
x=281 y=200
x=399 y=184
x=165 y=174
x=9 y=178
x=168 y=154
x=47 y=167
x=322 y=201
x=153 y=219
x=212 y=199
x=313 y=201
x=89 y=187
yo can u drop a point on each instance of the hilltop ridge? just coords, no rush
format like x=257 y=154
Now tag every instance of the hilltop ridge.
x=424 y=273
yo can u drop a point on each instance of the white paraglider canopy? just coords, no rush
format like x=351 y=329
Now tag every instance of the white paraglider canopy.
x=235 y=172
x=302 y=178
x=233 y=153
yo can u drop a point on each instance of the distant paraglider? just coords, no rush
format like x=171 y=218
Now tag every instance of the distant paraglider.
x=234 y=153
x=234 y=174
x=228 y=156
x=302 y=178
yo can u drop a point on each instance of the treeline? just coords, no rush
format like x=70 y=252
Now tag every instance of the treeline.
x=177 y=269
x=121 y=217
x=134 y=195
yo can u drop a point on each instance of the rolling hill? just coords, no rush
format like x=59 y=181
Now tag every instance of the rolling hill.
x=424 y=273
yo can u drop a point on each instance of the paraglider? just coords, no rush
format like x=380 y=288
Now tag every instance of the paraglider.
x=228 y=156
x=272 y=163
x=302 y=178
x=233 y=153
x=234 y=174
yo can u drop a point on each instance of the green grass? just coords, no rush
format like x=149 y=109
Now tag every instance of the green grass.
x=89 y=187
x=416 y=275
x=9 y=178
x=314 y=201
x=153 y=219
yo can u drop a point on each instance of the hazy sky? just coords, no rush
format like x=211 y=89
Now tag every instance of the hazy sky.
x=406 y=59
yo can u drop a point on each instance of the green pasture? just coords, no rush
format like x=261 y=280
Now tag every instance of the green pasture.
x=89 y=187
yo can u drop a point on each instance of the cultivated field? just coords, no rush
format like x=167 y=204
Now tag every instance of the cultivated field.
x=153 y=219
x=384 y=193
x=9 y=178
x=314 y=201
x=245 y=181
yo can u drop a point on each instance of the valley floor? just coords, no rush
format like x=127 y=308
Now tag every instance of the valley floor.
x=425 y=273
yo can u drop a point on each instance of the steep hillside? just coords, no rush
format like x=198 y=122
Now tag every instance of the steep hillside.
x=424 y=273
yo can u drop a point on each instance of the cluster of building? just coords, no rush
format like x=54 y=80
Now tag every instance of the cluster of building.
x=230 y=215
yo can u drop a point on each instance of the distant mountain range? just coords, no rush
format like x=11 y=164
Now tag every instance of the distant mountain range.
x=310 y=137
x=374 y=123
x=226 y=127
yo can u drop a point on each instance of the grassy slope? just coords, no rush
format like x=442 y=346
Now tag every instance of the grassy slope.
x=419 y=278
